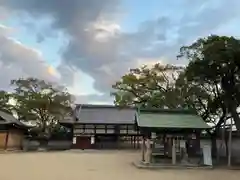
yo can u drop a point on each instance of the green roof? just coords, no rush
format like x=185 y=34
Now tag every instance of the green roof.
x=176 y=120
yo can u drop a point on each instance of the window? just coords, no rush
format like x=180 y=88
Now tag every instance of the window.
x=89 y=126
x=100 y=127
x=123 y=127
x=79 y=126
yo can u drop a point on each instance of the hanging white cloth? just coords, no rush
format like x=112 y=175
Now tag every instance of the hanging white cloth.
x=207 y=152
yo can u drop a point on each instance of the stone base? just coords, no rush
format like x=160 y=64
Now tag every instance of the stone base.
x=10 y=151
x=142 y=165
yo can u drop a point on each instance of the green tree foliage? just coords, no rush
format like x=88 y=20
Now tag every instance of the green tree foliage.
x=42 y=102
x=149 y=87
x=166 y=87
x=204 y=98
x=4 y=102
x=210 y=83
x=214 y=62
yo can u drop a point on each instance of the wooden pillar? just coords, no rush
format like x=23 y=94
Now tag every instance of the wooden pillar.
x=138 y=142
x=148 y=151
x=6 y=141
x=230 y=144
x=164 y=145
x=173 y=152
x=143 y=149
x=131 y=140
x=118 y=142
x=134 y=141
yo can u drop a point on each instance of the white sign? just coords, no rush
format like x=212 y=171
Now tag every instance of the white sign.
x=182 y=144
x=92 y=140
x=74 y=140
x=153 y=135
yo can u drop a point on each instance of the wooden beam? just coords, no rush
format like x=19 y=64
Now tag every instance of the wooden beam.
x=6 y=140
x=230 y=144
x=143 y=149
x=173 y=152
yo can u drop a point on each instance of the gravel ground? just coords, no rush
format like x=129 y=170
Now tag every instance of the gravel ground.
x=94 y=165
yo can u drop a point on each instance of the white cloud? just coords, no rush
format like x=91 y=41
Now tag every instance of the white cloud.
x=97 y=45
x=4 y=30
x=18 y=60
x=103 y=30
x=148 y=61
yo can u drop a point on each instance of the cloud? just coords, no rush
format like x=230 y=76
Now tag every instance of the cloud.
x=18 y=60
x=93 y=99
x=4 y=30
x=99 y=47
x=3 y=12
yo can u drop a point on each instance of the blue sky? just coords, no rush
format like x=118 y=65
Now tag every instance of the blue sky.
x=136 y=13
x=185 y=16
x=50 y=49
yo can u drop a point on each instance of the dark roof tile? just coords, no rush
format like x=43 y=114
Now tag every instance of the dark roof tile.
x=9 y=119
x=105 y=114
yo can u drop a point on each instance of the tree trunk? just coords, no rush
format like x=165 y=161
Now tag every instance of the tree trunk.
x=236 y=118
x=228 y=84
x=226 y=144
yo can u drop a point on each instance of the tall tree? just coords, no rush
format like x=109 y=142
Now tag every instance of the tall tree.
x=168 y=87
x=42 y=102
x=148 y=86
x=4 y=101
x=215 y=60
x=204 y=98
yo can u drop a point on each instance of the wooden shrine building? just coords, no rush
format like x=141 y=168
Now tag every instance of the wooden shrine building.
x=173 y=137
x=11 y=132
x=105 y=127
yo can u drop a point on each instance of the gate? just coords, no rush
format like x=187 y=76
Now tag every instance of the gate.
x=82 y=142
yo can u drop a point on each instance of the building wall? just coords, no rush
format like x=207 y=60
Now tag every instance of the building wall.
x=235 y=148
x=14 y=140
x=2 y=140
x=34 y=145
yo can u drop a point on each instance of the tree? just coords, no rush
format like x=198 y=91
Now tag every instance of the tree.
x=4 y=102
x=148 y=86
x=168 y=87
x=204 y=98
x=42 y=102
x=215 y=61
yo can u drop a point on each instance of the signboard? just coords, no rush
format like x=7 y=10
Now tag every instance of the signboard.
x=182 y=143
x=74 y=140
x=159 y=146
x=92 y=140
x=205 y=142
x=153 y=135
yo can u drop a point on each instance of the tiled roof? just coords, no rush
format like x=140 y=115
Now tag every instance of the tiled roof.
x=171 y=119
x=9 y=119
x=105 y=114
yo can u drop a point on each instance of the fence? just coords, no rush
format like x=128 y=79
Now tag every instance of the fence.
x=50 y=145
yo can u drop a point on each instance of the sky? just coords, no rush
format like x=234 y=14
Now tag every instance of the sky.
x=89 y=45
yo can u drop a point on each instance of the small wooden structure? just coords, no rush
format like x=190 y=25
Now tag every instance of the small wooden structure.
x=11 y=132
x=173 y=137
x=105 y=127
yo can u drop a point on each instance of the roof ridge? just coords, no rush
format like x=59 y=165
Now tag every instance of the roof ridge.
x=102 y=106
x=173 y=111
